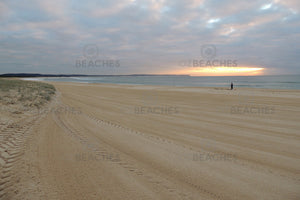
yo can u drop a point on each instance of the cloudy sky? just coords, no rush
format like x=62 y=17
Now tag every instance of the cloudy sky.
x=148 y=36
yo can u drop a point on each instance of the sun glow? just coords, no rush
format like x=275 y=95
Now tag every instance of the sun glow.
x=222 y=71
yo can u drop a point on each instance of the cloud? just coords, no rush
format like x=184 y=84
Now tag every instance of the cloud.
x=147 y=36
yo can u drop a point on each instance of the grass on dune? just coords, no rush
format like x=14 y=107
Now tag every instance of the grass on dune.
x=26 y=93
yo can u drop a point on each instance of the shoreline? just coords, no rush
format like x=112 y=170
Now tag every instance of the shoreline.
x=166 y=86
x=206 y=82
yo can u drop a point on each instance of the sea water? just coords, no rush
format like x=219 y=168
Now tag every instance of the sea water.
x=271 y=82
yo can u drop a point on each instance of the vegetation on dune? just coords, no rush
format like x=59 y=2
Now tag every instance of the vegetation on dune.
x=26 y=93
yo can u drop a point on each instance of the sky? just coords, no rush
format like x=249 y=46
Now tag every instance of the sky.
x=196 y=37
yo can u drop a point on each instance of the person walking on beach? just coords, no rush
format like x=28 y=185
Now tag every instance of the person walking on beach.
x=231 y=85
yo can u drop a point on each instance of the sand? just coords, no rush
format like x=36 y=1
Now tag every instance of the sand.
x=102 y=141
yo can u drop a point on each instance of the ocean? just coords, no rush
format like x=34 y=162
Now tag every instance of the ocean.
x=270 y=82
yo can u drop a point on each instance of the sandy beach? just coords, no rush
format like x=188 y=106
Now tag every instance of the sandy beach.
x=104 y=141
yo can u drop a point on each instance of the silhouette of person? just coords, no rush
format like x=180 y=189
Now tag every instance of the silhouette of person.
x=231 y=86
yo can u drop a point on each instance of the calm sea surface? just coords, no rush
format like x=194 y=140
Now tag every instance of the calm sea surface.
x=272 y=82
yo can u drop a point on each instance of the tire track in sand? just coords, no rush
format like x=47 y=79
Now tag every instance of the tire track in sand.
x=13 y=136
